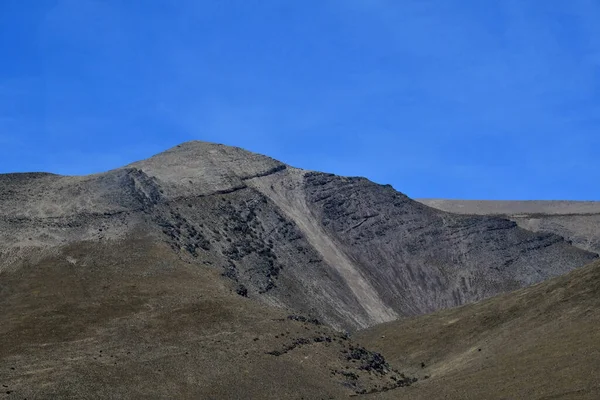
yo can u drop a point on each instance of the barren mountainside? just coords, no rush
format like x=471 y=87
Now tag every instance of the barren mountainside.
x=346 y=251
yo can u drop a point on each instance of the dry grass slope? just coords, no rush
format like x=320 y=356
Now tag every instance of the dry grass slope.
x=129 y=319
x=542 y=342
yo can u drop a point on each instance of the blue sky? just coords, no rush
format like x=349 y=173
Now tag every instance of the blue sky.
x=495 y=99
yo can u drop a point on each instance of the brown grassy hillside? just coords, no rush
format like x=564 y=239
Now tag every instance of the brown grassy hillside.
x=541 y=342
x=131 y=320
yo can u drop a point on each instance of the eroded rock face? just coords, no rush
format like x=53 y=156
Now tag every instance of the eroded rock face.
x=421 y=259
x=346 y=251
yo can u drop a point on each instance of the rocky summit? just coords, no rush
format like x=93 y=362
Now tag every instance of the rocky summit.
x=208 y=271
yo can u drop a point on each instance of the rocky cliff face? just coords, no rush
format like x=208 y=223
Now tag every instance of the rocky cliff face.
x=344 y=250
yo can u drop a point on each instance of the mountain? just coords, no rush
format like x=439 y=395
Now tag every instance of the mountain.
x=540 y=342
x=577 y=221
x=211 y=272
x=346 y=251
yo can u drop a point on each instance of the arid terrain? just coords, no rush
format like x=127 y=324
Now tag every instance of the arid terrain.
x=211 y=272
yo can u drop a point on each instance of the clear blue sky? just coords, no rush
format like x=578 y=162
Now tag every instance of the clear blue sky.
x=456 y=99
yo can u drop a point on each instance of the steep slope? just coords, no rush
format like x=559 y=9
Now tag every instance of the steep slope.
x=344 y=250
x=577 y=221
x=541 y=342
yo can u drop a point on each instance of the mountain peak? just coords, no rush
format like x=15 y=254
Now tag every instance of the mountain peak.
x=202 y=168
